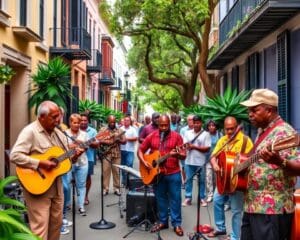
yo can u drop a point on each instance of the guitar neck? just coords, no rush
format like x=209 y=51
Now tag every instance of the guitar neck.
x=66 y=155
x=163 y=158
x=244 y=165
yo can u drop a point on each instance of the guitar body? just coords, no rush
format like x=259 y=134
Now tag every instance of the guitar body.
x=295 y=231
x=223 y=177
x=239 y=181
x=148 y=176
x=33 y=182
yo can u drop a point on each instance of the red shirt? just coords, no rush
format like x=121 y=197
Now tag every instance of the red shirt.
x=171 y=141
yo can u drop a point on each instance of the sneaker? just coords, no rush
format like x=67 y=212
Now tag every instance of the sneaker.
x=209 y=199
x=203 y=203
x=66 y=223
x=105 y=192
x=82 y=211
x=187 y=202
x=64 y=230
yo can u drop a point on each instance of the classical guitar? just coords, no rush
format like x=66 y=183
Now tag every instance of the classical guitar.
x=295 y=232
x=234 y=165
x=149 y=176
x=40 y=180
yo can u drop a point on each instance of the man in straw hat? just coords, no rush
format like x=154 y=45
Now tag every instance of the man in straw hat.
x=269 y=206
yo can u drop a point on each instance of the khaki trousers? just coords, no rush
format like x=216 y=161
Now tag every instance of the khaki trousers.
x=107 y=169
x=45 y=214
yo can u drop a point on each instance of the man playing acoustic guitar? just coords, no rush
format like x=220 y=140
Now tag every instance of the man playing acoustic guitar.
x=234 y=141
x=269 y=206
x=167 y=186
x=44 y=210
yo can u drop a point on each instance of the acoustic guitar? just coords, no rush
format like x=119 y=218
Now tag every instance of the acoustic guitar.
x=233 y=176
x=155 y=160
x=40 y=180
x=295 y=232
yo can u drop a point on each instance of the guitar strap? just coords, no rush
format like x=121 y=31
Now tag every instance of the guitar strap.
x=278 y=121
x=195 y=138
x=245 y=141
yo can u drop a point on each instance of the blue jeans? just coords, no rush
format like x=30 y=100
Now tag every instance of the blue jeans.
x=168 y=197
x=190 y=172
x=236 y=202
x=80 y=174
x=127 y=160
x=66 y=181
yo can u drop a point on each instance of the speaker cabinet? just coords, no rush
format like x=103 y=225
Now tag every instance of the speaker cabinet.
x=136 y=207
x=134 y=183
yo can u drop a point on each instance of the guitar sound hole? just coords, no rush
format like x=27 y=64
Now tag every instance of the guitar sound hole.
x=154 y=164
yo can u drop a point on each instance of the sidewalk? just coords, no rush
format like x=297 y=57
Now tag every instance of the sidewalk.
x=112 y=214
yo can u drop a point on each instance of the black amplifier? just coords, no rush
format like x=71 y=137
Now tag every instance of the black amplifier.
x=136 y=207
x=134 y=183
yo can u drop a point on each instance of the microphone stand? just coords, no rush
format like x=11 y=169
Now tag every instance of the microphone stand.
x=73 y=186
x=102 y=224
x=197 y=235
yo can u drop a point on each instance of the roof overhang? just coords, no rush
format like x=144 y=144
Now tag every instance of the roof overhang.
x=268 y=17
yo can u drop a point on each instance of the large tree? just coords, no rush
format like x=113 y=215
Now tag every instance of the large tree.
x=171 y=38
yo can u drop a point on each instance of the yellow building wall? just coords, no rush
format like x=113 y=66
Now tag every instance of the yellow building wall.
x=23 y=56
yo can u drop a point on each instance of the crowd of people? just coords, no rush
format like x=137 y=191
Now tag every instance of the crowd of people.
x=263 y=211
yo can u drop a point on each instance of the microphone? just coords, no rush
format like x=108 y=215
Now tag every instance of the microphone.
x=64 y=132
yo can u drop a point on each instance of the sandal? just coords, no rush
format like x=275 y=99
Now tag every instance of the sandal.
x=86 y=202
x=216 y=233
x=158 y=226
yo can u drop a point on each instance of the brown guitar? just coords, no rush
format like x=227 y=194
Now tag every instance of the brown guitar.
x=40 y=180
x=155 y=160
x=233 y=176
x=295 y=232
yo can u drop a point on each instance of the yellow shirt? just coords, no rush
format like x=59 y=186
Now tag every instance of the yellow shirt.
x=235 y=145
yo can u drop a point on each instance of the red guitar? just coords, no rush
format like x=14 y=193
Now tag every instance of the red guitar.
x=233 y=176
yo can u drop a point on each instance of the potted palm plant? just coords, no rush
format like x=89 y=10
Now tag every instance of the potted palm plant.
x=51 y=82
x=12 y=225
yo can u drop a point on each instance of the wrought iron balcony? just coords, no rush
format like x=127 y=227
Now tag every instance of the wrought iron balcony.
x=95 y=64
x=75 y=43
x=247 y=23
x=118 y=86
x=107 y=77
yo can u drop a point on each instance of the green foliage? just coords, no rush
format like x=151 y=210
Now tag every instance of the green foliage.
x=6 y=73
x=166 y=40
x=161 y=98
x=221 y=106
x=51 y=82
x=12 y=226
x=97 y=112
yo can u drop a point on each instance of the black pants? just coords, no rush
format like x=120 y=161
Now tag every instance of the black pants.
x=266 y=226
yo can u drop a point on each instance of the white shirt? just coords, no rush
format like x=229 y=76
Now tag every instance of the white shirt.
x=130 y=132
x=83 y=137
x=195 y=157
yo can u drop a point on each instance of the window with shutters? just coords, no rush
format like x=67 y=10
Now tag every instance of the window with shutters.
x=41 y=30
x=235 y=78
x=283 y=74
x=252 y=72
x=23 y=13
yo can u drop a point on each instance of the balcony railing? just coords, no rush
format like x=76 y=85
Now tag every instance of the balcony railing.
x=95 y=64
x=239 y=11
x=72 y=43
x=107 y=77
